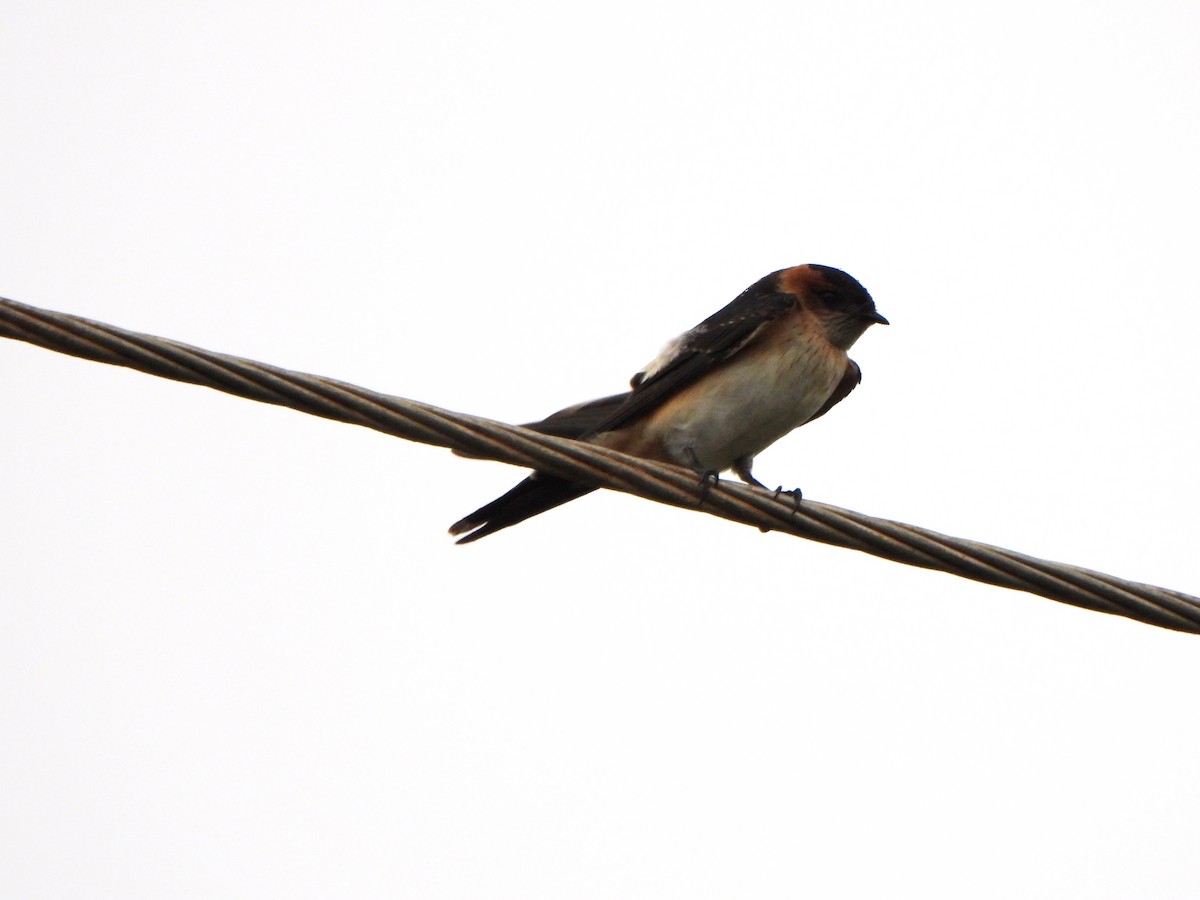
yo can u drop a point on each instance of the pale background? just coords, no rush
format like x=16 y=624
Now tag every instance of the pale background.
x=239 y=657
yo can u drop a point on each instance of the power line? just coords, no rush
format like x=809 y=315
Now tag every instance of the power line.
x=479 y=437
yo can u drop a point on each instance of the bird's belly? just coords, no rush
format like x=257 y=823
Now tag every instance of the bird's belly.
x=740 y=410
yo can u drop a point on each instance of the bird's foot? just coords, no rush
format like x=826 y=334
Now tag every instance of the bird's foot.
x=708 y=477
x=795 y=493
x=708 y=480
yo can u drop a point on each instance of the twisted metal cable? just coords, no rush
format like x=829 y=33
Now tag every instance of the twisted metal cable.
x=478 y=437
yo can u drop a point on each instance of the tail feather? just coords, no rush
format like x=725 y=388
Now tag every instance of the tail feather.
x=540 y=492
x=536 y=494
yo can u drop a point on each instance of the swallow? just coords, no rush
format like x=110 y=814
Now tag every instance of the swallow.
x=772 y=360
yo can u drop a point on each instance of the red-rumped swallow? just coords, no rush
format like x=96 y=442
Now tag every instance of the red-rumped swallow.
x=772 y=360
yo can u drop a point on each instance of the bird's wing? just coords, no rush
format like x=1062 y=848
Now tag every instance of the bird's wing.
x=717 y=339
x=576 y=421
x=850 y=380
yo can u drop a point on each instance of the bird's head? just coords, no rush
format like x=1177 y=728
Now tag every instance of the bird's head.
x=840 y=304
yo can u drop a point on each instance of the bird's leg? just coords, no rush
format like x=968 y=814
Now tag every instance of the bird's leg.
x=708 y=477
x=742 y=468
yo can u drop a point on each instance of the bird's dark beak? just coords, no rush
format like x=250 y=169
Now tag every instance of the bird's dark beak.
x=875 y=317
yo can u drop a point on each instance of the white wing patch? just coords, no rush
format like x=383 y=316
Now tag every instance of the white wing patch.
x=667 y=355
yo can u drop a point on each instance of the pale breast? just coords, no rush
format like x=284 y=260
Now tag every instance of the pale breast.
x=749 y=403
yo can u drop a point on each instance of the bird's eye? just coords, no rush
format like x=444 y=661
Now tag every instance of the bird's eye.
x=829 y=298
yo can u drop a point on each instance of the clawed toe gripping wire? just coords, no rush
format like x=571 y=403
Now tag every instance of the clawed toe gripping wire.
x=477 y=437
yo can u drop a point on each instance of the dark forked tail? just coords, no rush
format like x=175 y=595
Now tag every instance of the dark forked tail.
x=540 y=492
x=536 y=494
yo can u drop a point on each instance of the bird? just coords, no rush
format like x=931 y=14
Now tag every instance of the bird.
x=773 y=359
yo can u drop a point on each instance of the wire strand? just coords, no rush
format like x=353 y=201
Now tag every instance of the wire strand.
x=478 y=437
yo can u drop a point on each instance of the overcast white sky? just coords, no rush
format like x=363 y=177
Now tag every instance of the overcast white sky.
x=240 y=657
